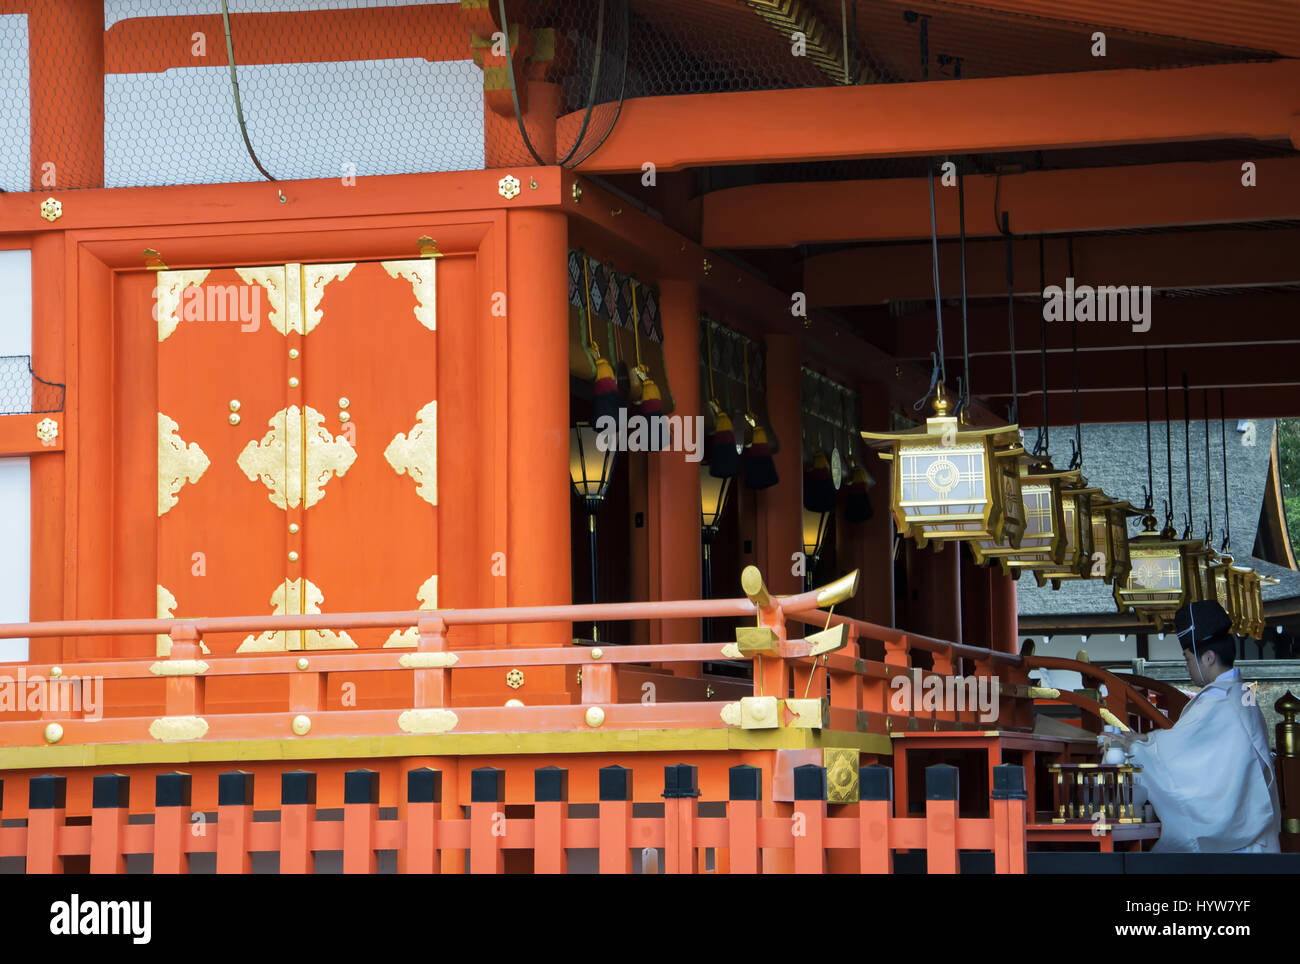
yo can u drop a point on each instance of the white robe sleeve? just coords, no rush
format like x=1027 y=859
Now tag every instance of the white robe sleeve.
x=1203 y=778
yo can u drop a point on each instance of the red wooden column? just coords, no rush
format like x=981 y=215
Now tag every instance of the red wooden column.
x=297 y=814
x=809 y=822
x=681 y=807
x=941 y=855
x=1004 y=626
x=67 y=94
x=1009 y=811
x=745 y=793
x=550 y=814
x=234 y=822
x=419 y=851
x=171 y=821
x=110 y=806
x=536 y=492
x=870 y=544
x=875 y=808
x=934 y=592
x=614 y=829
x=47 y=803
x=674 y=523
x=487 y=789
x=360 y=812
x=780 y=508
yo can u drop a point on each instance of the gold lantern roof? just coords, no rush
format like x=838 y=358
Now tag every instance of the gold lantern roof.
x=1043 y=544
x=1157 y=585
x=952 y=481
x=1110 y=538
x=1077 y=560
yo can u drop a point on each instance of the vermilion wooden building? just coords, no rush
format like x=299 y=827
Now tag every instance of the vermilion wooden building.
x=296 y=350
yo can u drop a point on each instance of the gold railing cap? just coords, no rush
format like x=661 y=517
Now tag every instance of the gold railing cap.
x=845 y=587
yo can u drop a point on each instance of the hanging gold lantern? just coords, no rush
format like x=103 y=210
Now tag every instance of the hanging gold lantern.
x=1077 y=556
x=1109 y=519
x=1197 y=560
x=1157 y=585
x=953 y=482
x=1043 y=544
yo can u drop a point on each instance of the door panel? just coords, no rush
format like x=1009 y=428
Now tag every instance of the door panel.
x=297 y=446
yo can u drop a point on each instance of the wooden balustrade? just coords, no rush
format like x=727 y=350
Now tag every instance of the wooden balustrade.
x=420 y=834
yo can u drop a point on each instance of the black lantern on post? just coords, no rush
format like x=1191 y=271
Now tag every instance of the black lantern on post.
x=590 y=467
x=713 y=501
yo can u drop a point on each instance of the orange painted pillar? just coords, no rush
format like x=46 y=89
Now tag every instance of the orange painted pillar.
x=681 y=808
x=432 y=686
x=538 y=570
x=780 y=508
x=941 y=855
x=614 y=820
x=297 y=814
x=487 y=787
x=745 y=792
x=419 y=851
x=184 y=693
x=171 y=818
x=809 y=824
x=67 y=94
x=360 y=812
x=234 y=820
x=934 y=597
x=1004 y=623
x=110 y=806
x=47 y=803
x=550 y=814
x=675 y=547
x=1009 y=811
x=875 y=809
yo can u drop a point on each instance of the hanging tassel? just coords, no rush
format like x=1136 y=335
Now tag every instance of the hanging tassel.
x=760 y=468
x=858 y=504
x=605 y=398
x=818 y=488
x=724 y=460
x=651 y=404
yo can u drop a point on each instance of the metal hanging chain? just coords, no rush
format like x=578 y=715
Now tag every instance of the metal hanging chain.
x=1146 y=403
x=1169 y=458
x=234 y=86
x=1187 y=454
x=1223 y=445
x=1011 y=314
x=1076 y=461
x=934 y=260
x=965 y=339
x=1209 y=499
x=1045 y=432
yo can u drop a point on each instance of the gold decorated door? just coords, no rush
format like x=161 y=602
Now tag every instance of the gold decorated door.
x=297 y=446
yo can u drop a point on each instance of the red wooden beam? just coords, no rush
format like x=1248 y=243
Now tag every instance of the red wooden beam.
x=1045 y=112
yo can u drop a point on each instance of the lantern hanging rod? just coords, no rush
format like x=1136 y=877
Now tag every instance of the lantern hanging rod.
x=1223 y=445
x=1169 y=459
x=1044 y=443
x=1076 y=460
x=1146 y=402
x=1209 y=494
x=1187 y=454
x=964 y=399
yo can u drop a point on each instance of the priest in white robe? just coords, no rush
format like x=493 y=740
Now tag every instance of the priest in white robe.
x=1210 y=777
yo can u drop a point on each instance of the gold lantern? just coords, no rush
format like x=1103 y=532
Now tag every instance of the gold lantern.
x=1157 y=584
x=1110 y=538
x=1043 y=544
x=1197 y=560
x=954 y=482
x=1077 y=556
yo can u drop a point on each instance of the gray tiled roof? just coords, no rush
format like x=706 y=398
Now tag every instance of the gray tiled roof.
x=1115 y=460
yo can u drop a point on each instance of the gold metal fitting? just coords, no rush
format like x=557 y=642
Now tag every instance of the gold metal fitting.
x=293 y=528
x=301 y=724
x=234 y=404
x=53 y=733
x=302 y=662
x=597 y=652
x=595 y=716
x=56 y=672
x=51 y=210
x=508 y=187
x=293 y=352
x=293 y=557
x=515 y=679
x=233 y=418
x=293 y=382
x=427 y=247
x=153 y=260
x=576 y=192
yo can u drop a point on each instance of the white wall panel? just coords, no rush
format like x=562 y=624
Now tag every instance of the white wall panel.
x=304 y=121
x=15 y=551
x=15 y=104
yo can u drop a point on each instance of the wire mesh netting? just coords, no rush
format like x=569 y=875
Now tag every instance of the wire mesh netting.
x=23 y=392
x=350 y=88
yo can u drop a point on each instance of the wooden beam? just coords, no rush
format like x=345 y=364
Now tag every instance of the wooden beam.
x=1193 y=259
x=1254 y=101
x=1038 y=202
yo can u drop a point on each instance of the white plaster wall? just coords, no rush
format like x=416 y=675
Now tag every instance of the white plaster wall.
x=15 y=104
x=15 y=474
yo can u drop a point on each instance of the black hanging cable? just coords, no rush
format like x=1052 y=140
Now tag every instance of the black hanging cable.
x=965 y=340
x=1146 y=402
x=1076 y=461
x=1011 y=316
x=1169 y=458
x=1045 y=433
x=1223 y=445
x=1187 y=454
x=1209 y=498
x=234 y=86
x=939 y=375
